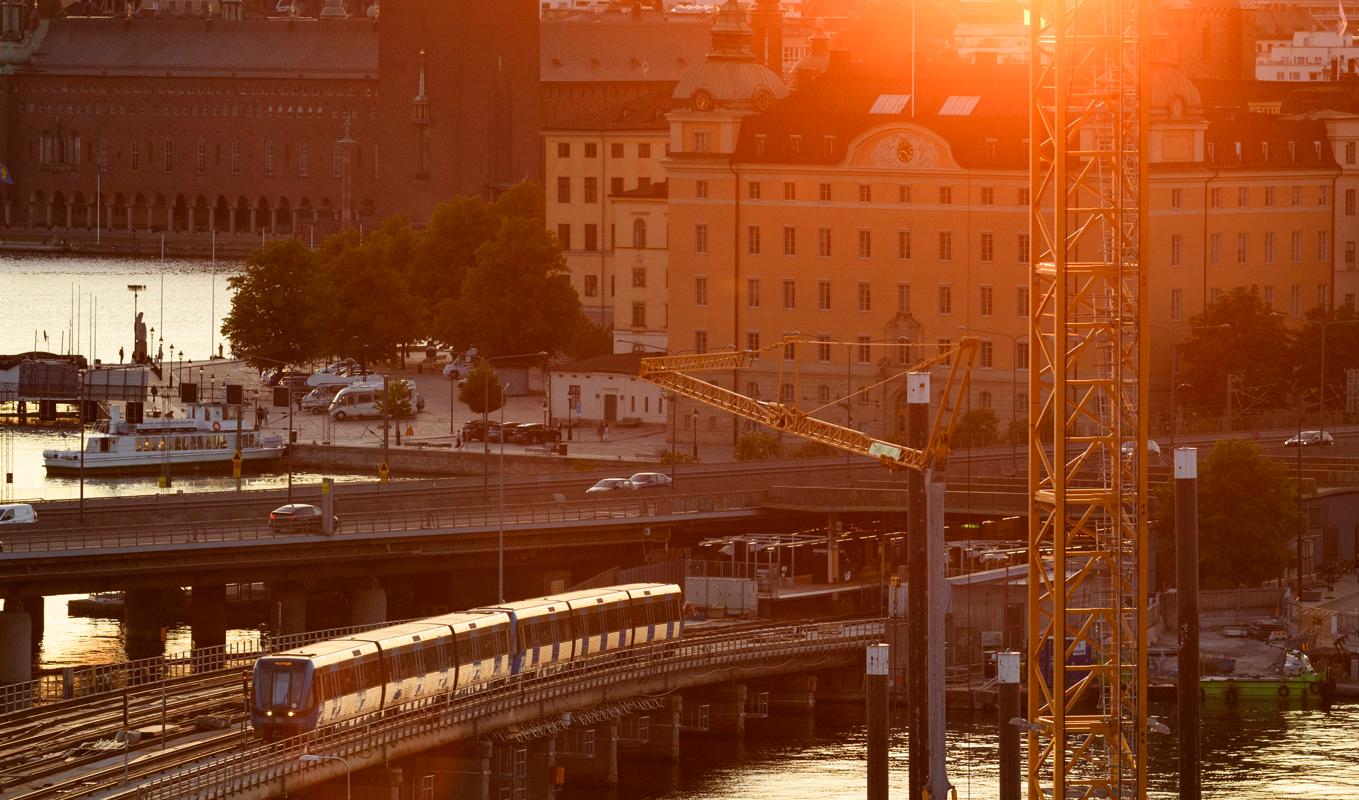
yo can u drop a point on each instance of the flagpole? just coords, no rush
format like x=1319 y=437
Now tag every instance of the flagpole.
x=212 y=314
x=98 y=206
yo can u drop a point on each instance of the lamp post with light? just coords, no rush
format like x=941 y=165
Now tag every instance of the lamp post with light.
x=309 y=758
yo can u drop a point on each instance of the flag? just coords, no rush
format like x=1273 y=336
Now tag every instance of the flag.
x=1344 y=21
x=5 y=177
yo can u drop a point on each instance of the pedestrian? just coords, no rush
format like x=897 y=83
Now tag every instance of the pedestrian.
x=120 y=355
x=599 y=432
x=457 y=440
x=264 y=415
x=606 y=434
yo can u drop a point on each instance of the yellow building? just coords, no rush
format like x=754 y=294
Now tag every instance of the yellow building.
x=876 y=224
x=641 y=258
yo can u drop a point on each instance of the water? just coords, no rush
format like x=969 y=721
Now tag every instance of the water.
x=1251 y=753
x=79 y=641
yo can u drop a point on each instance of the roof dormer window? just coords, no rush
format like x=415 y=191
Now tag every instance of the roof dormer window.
x=1236 y=147
x=1264 y=151
x=1316 y=145
x=1292 y=151
x=760 y=143
x=795 y=144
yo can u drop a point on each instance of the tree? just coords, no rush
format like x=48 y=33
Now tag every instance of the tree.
x=369 y=309
x=589 y=340
x=758 y=446
x=1247 y=517
x=518 y=298
x=977 y=428
x=395 y=399
x=272 y=319
x=480 y=391
x=445 y=252
x=1342 y=353
x=525 y=199
x=1238 y=335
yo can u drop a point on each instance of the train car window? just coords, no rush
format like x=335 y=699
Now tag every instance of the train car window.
x=372 y=671
x=528 y=634
x=282 y=684
x=348 y=679
x=410 y=661
x=463 y=644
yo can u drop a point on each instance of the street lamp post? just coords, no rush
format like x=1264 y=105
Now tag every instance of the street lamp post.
x=500 y=540
x=308 y=758
x=695 y=417
x=1173 y=417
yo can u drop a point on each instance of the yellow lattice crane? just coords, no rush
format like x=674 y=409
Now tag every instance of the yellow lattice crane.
x=674 y=373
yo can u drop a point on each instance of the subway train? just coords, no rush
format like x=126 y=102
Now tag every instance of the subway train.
x=335 y=680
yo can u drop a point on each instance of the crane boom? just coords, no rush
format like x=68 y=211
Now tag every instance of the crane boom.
x=671 y=372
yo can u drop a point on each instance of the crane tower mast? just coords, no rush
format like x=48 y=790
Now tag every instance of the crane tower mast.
x=1087 y=649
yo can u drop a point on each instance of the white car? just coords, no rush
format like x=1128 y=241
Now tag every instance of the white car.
x=609 y=485
x=1153 y=449
x=650 y=480
x=1310 y=439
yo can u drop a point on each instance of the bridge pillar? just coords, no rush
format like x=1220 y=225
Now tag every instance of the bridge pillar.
x=662 y=733
x=32 y=605
x=597 y=767
x=207 y=615
x=368 y=605
x=288 y=607
x=143 y=636
x=543 y=776
x=461 y=770
x=792 y=695
x=726 y=708
x=16 y=646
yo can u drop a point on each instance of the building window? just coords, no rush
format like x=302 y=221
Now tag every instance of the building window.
x=1323 y=245
x=1021 y=301
x=1215 y=198
x=823 y=348
x=753 y=190
x=1176 y=250
x=945 y=349
x=988 y=247
x=1269 y=247
x=753 y=239
x=591 y=150
x=1021 y=355
x=700 y=342
x=169 y=156
x=591 y=285
x=823 y=242
x=789 y=190
x=303 y=161
x=616 y=150
x=700 y=190
x=1349 y=202
x=945 y=299
x=865 y=296
x=1269 y=297
x=1176 y=304
x=1349 y=255
x=904 y=245
x=865 y=353
x=945 y=195
x=827 y=146
x=903 y=194
x=945 y=246
x=984 y=399
x=865 y=244
x=790 y=294
x=760 y=141
x=824 y=191
x=1022 y=248
x=639 y=277
x=135 y=158
x=563 y=149
x=795 y=145
x=789 y=240
x=1295 y=300
x=1295 y=246
x=786 y=393
x=700 y=141
x=639 y=315
x=235 y=156
x=200 y=160
x=563 y=189
x=986 y=301
x=592 y=189
x=1321 y=295
x=753 y=292
x=1269 y=197
x=865 y=193
x=986 y=354
x=823 y=295
x=644 y=150
x=1242 y=247
x=1349 y=152
x=639 y=233
x=988 y=196
x=701 y=239
x=564 y=235
x=903 y=298
x=1243 y=197
x=1177 y=198
x=789 y=349
x=591 y=237
x=1022 y=196
x=1215 y=248
x=1297 y=195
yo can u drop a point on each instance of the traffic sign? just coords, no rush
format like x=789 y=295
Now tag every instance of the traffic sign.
x=384 y=473
x=236 y=463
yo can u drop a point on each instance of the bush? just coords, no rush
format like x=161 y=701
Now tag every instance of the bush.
x=976 y=428
x=812 y=450
x=758 y=446
x=680 y=457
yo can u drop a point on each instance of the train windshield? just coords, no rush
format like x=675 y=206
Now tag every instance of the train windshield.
x=280 y=684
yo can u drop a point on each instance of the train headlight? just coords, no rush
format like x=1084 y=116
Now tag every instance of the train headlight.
x=290 y=713
x=268 y=713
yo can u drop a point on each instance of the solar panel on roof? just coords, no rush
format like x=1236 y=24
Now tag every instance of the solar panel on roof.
x=889 y=103
x=959 y=106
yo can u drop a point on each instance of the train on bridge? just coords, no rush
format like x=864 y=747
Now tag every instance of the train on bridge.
x=336 y=680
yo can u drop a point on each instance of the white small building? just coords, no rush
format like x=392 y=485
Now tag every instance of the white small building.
x=605 y=389
x=1307 y=56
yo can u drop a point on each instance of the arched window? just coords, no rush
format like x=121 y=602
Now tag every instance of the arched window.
x=639 y=233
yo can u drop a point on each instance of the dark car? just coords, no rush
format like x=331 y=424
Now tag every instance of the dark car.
x=533 y=433
x=506 y=429
x=299 y=518
x=475 y=430
x=276 y=378
x=297 y=384
x=1310 y=439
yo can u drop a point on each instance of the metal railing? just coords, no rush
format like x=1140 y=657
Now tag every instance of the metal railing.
x=427 y=519
x=265 y=763
x=80 y=682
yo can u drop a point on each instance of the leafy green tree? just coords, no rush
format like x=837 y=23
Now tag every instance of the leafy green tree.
x=589 y=340
x=395 y=399
x=445 y=252
x=1237 y=335
x=272 y=319
x=1341 y=350
x=518 y=298
x=525 y=199
x=1247 y=517
x=758 y=446
x=481 y=391
x=977 y=428
x=369 y=308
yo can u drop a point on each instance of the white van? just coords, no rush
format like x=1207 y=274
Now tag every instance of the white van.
x=361 y=400
x=17 y=514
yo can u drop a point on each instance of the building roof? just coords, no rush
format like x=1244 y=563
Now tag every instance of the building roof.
x=965 y=107
x=251 y=48
x=614 y=47
x=645 y=113
x=1261 y=141
x=652 y=191
x=616 y=363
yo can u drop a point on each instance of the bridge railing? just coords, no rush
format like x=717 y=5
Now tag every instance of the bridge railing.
x=263 y=764
x=78 y=682
x=641 y=504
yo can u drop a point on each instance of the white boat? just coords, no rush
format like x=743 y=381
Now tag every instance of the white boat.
x=205 y=438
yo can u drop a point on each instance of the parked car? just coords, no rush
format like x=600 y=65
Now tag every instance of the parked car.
x=505 y=429
x=475 y=430
x=318 y=399
x=299 y=517
x=275 y=378
x=533 y=433
x=1310 y=439
x=341 y=367
x=609 y=485
x=650 y=480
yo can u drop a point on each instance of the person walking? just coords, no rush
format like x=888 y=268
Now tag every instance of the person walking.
x=457 y=440
x=606 y=434
x=120 y=355
x=599 y=432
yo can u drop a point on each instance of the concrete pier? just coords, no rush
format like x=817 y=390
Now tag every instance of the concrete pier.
x=663 y=733
x=791 y=695
x=16 y=647
x=726 y=708
x=288 y=607
x=541 y=774
x=143 y=636
x=207 y=615
x=368 y=605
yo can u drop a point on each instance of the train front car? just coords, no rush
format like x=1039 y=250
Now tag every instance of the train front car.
x=315 y=685
x=282 y=704
x=654 y=612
